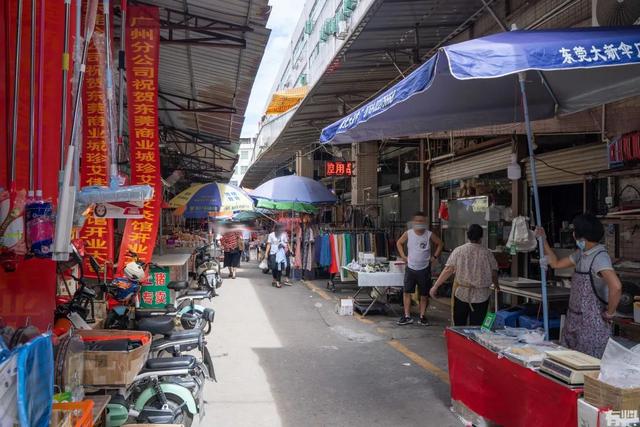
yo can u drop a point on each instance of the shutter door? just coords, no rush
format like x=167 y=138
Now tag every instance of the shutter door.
x=472 y=165
x=575 y=162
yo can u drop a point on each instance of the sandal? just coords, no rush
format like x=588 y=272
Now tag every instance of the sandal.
x=278 y=285
x=273 y=283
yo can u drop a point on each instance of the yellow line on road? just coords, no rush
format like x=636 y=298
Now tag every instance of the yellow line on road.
x=420 y=361
x=322 y=293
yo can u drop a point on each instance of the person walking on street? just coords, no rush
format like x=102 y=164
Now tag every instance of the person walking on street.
x=246 y=238
x=595 y=287
x=418 y=271
x=277 y=252
x=232 y=246
x=475 y=269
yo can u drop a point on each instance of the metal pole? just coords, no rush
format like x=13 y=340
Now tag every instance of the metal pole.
x=65 y=81
x=16 y=94
x=536 y=199
x=32 y=97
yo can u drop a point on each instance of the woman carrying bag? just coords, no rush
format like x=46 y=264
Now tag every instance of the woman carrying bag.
x=232 y=245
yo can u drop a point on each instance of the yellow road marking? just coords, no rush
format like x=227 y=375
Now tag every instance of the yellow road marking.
x=361 y=318
x=323 y=294
x=420 y=361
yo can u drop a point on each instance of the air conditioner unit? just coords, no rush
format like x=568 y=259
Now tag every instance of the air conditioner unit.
x=343 y=30
x=613 y=13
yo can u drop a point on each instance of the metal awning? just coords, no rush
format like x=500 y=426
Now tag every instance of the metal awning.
x=378 y=51
x=210 y=51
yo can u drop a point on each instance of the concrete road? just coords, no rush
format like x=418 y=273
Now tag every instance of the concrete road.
x=283 y=357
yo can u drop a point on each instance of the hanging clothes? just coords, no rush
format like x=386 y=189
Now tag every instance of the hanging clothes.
x=333 y=267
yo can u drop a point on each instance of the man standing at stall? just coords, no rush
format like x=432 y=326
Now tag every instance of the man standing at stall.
x=418 y=271
x=475 y=269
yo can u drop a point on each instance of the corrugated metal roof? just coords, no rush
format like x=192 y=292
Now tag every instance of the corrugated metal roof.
x=380 y=46
x=216 y=75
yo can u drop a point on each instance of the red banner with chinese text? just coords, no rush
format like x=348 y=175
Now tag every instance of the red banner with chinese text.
x=142 y=50
x=97 y=233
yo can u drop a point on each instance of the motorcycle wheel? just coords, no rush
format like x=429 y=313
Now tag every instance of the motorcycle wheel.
x=184 y=418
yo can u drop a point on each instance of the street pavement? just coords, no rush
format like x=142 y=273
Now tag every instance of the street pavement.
x=283 y=357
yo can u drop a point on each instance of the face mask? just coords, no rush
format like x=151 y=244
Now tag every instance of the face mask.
x=581 y=244
x=419 y=227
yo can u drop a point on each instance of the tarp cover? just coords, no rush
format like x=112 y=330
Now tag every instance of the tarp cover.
x=475 y=83
x=284 y=100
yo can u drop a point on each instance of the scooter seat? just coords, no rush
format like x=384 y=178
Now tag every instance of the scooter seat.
x=178 y=285
x=157 y=325
x=170 y=363
x=187 y=334
x=196 y=294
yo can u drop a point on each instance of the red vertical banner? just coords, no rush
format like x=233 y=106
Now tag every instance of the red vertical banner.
x=97 y=233
x=142 y=49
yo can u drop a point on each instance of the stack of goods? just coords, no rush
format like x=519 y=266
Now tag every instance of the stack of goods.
x=183 y=239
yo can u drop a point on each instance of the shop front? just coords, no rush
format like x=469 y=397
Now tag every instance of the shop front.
x=562 y=178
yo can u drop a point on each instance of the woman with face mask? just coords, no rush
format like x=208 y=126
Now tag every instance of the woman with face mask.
x=595 y=288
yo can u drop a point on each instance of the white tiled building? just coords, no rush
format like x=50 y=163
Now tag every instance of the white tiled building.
x=245 y=157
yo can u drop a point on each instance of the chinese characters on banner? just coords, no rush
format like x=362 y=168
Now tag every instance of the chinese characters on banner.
x=142 y=55
x=612 y=52
x=338 y=168
x=97 y=233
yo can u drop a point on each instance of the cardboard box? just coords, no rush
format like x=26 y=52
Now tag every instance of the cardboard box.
x=114 y=368
x=590 y=416
x=603 y=395
x=345 y=307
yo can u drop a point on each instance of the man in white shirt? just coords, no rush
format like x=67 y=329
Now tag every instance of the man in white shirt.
x=276 y=248
x=418 y=270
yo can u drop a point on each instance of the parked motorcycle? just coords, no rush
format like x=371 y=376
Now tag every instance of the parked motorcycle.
x=166 y=391
x=124 y=291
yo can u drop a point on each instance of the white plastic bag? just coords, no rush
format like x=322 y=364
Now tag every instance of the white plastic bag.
x=521 y=237
x=620 y=366
x=263 y=264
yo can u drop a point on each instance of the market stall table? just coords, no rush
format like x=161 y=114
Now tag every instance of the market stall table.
x=382 y=282
x=487 y=385
x=554 y=293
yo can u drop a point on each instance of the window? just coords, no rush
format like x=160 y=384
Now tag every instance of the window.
x=314 y=52
x=244 y=155
x=243 y=169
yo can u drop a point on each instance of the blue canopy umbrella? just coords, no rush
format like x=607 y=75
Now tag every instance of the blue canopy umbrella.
x=293 y=188
x=515 y=76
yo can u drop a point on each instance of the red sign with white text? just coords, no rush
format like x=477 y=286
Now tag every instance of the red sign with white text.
x=142 y=57
x=97 y=233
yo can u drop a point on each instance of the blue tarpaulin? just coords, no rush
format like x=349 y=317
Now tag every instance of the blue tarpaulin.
x=475 y=83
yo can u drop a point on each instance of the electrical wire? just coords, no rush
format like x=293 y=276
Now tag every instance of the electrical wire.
x=629 y=186
x=557 y=168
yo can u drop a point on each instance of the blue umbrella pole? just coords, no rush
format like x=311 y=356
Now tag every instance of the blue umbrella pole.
x=536 y=198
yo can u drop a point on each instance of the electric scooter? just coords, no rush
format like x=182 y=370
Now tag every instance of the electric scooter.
x=124 y=291
x=166 y=391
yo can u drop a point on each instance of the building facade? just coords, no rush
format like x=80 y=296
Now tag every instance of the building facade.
x=245 y=157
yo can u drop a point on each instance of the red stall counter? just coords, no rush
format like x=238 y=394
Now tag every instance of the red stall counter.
x=504 y=392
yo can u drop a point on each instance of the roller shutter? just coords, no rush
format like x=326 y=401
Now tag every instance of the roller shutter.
x=575 y=162
x=470 y=166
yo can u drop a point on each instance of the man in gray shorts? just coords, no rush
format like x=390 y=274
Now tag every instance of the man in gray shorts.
x=418 y=271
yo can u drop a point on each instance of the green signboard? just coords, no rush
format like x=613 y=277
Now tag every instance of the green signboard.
x=156 y=294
